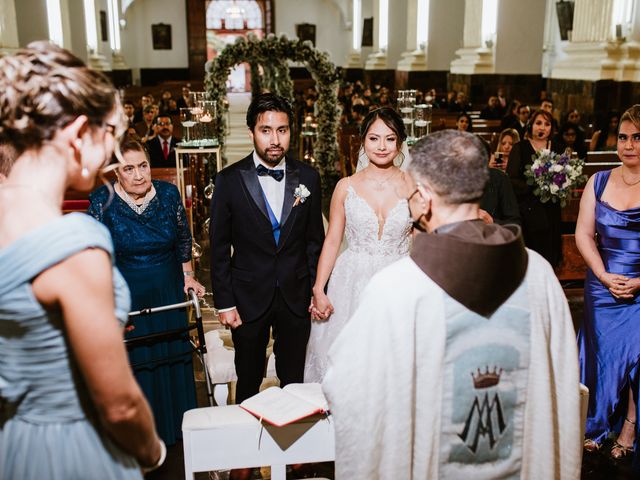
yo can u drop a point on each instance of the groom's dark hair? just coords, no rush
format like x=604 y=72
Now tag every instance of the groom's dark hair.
x=267 y=102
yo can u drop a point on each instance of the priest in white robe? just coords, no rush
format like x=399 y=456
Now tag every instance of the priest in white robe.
x=461 y=360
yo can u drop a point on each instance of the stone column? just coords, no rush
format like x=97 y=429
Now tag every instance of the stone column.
x=630 y=65
x=592 y=53
x=97 y=60
x=474 y=57
x=378 y=59
x=415 y=57
x=117 y=59
x=8 y=27
x=354 y=59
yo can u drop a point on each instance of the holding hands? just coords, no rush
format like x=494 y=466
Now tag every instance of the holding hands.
x=620 y=286
x=321 y=307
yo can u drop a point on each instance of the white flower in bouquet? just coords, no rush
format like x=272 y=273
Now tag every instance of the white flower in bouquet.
x=553 y=175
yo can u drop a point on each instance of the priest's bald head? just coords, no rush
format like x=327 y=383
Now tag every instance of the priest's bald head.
x=449 y=170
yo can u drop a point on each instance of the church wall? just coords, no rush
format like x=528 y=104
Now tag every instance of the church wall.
x=137 y=45
x=446 y=26
x=332 y=34
x=521 y=25
x=31 y=17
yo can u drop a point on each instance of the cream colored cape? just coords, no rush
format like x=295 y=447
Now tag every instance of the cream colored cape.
x=388 y=425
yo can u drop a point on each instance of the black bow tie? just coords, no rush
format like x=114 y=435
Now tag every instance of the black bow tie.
x=264 y=171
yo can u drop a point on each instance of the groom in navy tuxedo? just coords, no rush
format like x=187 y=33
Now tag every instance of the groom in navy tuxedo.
x=266 y=237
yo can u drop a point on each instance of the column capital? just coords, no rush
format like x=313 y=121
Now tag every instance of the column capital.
x=354 y=59
x=414 y=61
x=377 y=61
x=473 y=60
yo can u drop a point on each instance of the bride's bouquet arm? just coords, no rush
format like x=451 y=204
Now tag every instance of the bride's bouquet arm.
x=321 y=307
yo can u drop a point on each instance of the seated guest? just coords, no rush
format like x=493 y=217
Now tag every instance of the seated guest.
x=152 y=241
x=129 y=112
x=606 y=137
x=492 y=110
x=547 y=106
x=460 y=104
x=461 y=360
x=498 y=203
x=464 y=123
x=572 y=138
x=161 y=147
x=145 y=126
x=511 y=115
x=183 y=101
x=520 y=124
x=145 y=100
x=507 y=139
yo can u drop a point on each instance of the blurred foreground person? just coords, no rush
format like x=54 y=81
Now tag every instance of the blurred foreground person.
x=72 y=408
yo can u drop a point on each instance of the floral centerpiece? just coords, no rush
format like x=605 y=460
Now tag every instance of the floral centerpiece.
x=554 y=175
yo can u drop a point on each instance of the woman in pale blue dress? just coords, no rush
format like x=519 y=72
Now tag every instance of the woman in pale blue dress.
x=69 y=405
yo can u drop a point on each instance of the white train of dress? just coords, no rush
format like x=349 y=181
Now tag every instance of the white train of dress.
x=364 y=256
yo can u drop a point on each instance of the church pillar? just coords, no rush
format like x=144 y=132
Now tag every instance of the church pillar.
x=475 y=56
x=593 y=52
x=8 y=27
x=415 y=57
x=377 y=60
x=97 y=60
x=354 y=59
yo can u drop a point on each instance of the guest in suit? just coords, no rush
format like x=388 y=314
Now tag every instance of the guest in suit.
x=520 y=124
x=267 y=209
x=129 y=112
x=161 y=146
x=145 y=126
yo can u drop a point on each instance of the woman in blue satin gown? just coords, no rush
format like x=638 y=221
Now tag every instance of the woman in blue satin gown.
x=608 y=237
x=152 y=242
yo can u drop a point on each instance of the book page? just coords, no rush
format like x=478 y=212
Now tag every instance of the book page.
x=278 y=407
x=310 y=392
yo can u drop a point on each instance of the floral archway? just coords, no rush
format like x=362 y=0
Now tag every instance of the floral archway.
x=273 y=54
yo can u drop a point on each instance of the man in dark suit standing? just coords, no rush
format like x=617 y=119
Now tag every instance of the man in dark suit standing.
x=161 y=146
x=266 y=208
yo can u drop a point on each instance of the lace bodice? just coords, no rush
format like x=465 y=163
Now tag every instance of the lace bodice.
x=362 y=227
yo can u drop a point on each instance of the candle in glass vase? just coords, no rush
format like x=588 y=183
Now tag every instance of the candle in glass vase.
x=206 y=118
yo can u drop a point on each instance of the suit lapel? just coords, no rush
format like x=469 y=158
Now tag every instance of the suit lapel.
x=291 y=182
x=250 y=179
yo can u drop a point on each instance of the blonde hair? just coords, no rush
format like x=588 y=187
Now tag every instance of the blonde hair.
x=632 y=115
x=43 y=88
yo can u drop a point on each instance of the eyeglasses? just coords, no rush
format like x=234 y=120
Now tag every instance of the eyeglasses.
x=417 y=190
x=635 y=138
x=164 y=124
x=110 y=128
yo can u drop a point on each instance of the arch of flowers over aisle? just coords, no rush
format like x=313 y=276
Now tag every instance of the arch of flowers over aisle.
x=273 y=54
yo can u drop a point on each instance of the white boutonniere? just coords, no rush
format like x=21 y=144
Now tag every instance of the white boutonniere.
x=301 y=193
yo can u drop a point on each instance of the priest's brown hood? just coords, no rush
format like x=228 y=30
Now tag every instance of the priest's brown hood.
x=479 y=265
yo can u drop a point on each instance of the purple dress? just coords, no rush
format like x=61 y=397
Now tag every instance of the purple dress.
x=609 y=339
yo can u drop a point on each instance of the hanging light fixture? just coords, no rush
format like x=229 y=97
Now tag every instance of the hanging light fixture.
x=234 y=11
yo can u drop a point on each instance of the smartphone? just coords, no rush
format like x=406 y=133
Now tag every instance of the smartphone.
x=498 y=157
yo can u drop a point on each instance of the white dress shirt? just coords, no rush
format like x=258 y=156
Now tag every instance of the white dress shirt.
x=273 y=190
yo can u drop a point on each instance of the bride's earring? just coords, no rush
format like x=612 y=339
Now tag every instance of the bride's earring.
x=84 y=172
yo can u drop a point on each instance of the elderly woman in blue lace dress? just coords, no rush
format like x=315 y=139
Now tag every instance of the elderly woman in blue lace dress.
x=148 y=223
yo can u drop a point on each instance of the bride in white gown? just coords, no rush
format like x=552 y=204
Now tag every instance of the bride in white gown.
x=370 y=209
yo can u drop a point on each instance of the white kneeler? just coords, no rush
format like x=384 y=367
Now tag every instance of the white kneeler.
x=222 y=438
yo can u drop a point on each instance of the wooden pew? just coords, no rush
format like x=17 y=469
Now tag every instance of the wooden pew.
x=572 y=266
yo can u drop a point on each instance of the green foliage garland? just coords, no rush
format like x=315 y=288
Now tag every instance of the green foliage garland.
x=272 y=53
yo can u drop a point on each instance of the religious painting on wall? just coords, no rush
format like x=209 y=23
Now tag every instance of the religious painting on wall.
x=161 y=35
x=306 y=31
x=564 y=11
x=367 y=32
x=103 y=26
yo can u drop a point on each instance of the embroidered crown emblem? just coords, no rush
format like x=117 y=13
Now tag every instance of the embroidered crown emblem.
x=487 y=378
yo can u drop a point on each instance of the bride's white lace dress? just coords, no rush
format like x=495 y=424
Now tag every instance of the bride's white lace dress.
x=370 y=248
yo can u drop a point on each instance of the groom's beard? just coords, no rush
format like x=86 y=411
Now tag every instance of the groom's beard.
x=271 y=155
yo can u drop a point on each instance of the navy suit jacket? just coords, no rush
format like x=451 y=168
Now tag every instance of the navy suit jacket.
x=154 y=147
x=248 y=278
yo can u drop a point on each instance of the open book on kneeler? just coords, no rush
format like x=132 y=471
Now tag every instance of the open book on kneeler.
x=282 y=406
